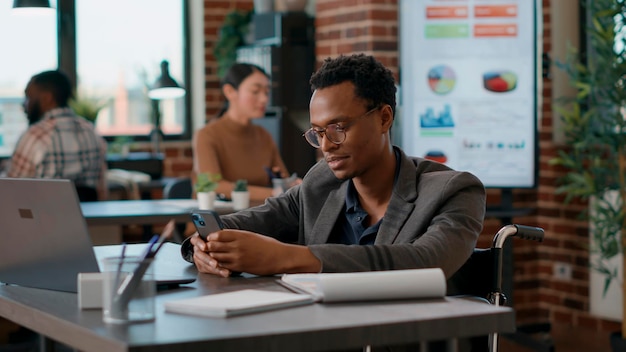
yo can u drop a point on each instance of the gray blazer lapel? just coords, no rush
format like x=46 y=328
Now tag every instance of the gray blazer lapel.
x=327 y=218
x=401 y=204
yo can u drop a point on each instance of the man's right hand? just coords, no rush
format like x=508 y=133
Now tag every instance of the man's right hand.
x=203 y=260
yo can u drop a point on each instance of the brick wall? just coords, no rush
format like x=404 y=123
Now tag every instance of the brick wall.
x=214 y=13
x=342 y=27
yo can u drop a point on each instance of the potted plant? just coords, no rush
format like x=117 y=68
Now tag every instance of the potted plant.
x=233 y=34
x=240 y=195
x=595 y=131
x=120 y=145
x=89 y=108
x=205 y=186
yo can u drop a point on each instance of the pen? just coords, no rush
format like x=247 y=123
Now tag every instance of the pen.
x=272 y=174
x=269 y=172
x=151 y=243
x=119 y=265
x=167 y=232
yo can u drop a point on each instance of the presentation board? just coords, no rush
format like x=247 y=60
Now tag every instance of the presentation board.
x=468 y=73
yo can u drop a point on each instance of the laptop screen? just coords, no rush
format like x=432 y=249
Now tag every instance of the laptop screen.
x=44 y=239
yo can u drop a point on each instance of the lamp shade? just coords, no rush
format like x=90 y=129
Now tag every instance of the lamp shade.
x=32 y=7
x=30 y=3
x=165 y=86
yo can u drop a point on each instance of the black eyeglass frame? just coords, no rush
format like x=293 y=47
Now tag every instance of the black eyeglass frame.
x=313 y=135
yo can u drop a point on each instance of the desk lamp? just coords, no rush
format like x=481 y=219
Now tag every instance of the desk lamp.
x=32 y=7
x=165 y=87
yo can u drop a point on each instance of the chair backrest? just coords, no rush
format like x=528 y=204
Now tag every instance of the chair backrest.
x=179 y=188
x=475 y=277
x=481 y=276
x=86 y=194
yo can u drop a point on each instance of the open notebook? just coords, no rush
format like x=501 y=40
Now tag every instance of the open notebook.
x=44 y=241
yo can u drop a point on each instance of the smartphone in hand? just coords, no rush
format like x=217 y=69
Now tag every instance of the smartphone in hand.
x=206 y=222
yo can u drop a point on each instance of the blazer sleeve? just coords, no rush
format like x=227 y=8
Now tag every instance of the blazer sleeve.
x=439 y=229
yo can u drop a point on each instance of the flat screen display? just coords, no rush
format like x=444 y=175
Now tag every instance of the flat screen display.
x=468 y=71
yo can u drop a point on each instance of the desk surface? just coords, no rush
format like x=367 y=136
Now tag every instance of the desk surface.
x=318 y=327
x=148 y=211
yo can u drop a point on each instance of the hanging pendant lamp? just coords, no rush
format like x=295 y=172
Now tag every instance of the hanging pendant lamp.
x=32 y=7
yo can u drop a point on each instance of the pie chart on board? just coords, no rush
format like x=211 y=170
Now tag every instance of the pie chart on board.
x=441 y=79
x=499 y=81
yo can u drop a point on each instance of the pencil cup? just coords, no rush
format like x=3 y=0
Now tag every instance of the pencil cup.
x=279 y=185
x=128 y=294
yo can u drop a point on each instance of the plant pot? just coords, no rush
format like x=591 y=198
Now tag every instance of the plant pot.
x=618 y=344
x=241 y=200
x=206 y=200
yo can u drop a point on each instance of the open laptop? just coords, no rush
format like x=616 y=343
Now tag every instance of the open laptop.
x=44 y=241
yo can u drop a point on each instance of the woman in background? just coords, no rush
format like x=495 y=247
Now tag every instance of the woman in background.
x=234 y=147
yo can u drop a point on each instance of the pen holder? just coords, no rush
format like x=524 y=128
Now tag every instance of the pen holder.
x=128 y=290
x=280 y=185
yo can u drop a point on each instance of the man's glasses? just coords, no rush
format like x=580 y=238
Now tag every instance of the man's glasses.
x=334 y=132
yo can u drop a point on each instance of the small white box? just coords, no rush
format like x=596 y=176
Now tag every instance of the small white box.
x=90 y=290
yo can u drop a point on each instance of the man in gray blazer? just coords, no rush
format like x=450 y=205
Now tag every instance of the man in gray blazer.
x=365 y=206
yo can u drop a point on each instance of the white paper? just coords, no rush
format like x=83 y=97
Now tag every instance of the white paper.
x=375 y=285
x=236 y=303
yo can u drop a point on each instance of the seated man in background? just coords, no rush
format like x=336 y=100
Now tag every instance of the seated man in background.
x=365 y=206
x=58 y=143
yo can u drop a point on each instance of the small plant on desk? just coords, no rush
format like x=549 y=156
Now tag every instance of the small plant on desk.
x=205 y=186
x=207 y=182
x=240 y=195
x=241 y=186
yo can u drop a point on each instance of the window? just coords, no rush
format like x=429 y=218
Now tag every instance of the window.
x=119 y=46
x=118 y=60
x=29 y=48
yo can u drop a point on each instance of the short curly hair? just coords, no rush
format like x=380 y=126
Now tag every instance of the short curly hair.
x=56 y=82
x=373 y=82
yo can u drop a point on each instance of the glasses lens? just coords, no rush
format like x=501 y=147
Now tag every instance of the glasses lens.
x=312 y=137
x=335 y=134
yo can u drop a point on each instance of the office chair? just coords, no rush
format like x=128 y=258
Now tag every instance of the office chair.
x=86 y=193
x=481 y=276
x=179 y=188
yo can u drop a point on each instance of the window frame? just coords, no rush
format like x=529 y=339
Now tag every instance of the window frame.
x=67 y=53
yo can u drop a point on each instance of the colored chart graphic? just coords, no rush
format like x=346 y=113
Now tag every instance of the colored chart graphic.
x=441 y=79
x=436 y=155
x=437 y=119
x=499 y=81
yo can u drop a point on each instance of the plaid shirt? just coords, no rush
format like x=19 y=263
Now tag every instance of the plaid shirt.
x=61 y=145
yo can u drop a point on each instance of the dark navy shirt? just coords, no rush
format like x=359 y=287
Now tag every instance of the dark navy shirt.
x=351 y=227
